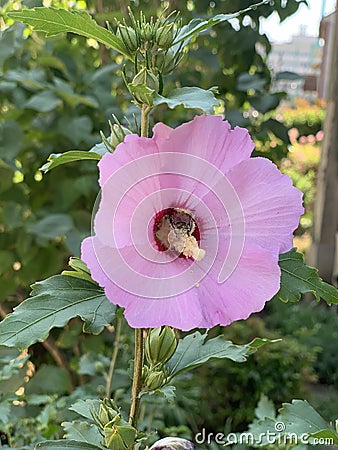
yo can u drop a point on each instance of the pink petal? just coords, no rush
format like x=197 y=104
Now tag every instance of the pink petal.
x=271 y=205
x=209 y=138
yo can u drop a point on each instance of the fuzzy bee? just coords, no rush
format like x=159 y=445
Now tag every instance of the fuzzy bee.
x=181 y=222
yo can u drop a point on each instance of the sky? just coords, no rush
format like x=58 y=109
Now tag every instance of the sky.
x=307 y=17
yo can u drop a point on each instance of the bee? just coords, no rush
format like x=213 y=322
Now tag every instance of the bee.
x=181 y=222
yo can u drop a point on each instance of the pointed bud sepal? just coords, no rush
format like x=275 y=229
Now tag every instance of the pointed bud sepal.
x=164 y=36
x=154 y=380
x=143 y=86
x=119 y=435
x=129 y=37
x=117 y=135
x=160 y=345
x=108 y=411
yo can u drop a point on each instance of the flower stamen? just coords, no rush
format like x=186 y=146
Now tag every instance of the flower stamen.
x=176 y=230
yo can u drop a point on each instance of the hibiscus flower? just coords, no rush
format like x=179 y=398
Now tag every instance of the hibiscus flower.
x=189 y=227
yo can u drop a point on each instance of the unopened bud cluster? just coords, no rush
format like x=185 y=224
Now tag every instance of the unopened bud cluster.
x=152 y=49
x=160 y=346
x=117 y=433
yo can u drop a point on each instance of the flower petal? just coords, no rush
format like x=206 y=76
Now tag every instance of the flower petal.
x=209 y=138
x=271 y=205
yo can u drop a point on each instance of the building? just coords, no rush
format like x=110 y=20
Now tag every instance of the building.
x=301 y=58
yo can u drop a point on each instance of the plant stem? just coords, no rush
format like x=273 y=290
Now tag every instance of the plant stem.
x=145 y=110
x=137 y=377
x=139 y=341
x=109 y=380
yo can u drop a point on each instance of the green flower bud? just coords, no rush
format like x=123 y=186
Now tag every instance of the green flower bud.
x=118 y=133
x=119 y=435
x=145 y=372
x=147 y=78
x=160 y=345
x=154 y=380
x=147 y=32
x=107 y=412
x=144 y=84
x=128 y=37
x=166 y=61
x=164 y=36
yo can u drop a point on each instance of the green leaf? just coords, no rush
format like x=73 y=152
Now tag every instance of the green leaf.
x=194 y=350
x=286 y=75
x=11 y=137
x=299 y=417
x=298 y=278
x=277 y=128
x=167 y=392
x=265 y=408
x=53 y=21
x=81 y=431
x=64 y=444
x=56 y=159
x=43 y=102
x=196 y=26
x=247 y=81
x=49 y=379
x=52 y=226
x=87 y=408
x=190 y=98
x=53 y=303
x=329 y=436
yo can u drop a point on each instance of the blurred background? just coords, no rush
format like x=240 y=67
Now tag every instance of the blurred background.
x=275 y=72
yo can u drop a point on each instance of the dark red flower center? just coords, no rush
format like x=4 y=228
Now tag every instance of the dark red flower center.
x=175 y=229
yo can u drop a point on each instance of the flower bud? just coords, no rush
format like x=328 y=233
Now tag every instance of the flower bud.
x=106 y=412
x=144 y=84
x=160 y=345
x=164 y=36
x=147 y=32
x=119 y=435
x=166 y=61
x=147 y=78
x=154 y=380
x=172 y=443
x=118 y=133
x=128 y=37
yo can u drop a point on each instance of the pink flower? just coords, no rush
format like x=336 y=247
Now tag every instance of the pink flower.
x=189 y=227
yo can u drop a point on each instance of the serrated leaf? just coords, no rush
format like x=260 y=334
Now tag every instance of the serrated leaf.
x=196 y=26
x=81 y=431
x=194 y=350
x=265 y=408
x=168 y=392
x=299 y=417
x=86 y=408
x=297 y=278
x=64 y=443
x=53 y=21
x=56 y=159
x=190 y=98
x=53 y=303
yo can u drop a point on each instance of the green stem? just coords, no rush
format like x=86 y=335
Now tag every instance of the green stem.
x=137 y=377
x=139 y=341
x=109 y=380
x=145 y=110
